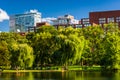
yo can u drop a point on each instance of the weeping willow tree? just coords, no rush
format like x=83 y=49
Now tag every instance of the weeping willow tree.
x=71 y=47
x=44 y=48
x=26 y=56
x=111 y=59
x=4 y=54
x=22 y=56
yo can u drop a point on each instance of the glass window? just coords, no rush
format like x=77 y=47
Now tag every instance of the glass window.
x=85 y=22
x=86 y=19
x=117 y=19
x=102 y=20
x=79 y=26
x=110 y=19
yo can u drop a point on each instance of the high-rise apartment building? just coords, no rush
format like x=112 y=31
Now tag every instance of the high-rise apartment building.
x=21 y=22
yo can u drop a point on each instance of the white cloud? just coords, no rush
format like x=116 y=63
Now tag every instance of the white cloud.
x=48 y=19
x=3 y=15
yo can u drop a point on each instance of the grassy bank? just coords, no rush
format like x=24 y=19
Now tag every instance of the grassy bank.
x=59 y=69
x=84 y=68
x=31 y=71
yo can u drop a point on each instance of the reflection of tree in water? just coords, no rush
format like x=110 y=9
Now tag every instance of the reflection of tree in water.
x=68 y=75
x=24 y=76
x=0 y=73
x=30 y=76
x=48 y=75
x=109 y=73
x=44 y=75
x=19 y=75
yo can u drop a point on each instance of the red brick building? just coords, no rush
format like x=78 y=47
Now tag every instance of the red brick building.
x=104 y=17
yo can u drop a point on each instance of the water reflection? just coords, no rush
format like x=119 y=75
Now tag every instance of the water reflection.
x=69 y=75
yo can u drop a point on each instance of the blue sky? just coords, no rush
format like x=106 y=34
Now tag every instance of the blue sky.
x=54 y=8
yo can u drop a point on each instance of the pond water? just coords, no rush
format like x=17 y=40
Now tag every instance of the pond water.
x=69 y=75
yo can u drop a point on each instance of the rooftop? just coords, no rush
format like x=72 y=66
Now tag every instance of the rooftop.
x=105 y=11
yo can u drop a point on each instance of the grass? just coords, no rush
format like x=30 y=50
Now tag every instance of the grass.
x=31 y=70
x=59 y=69
x=84 y=67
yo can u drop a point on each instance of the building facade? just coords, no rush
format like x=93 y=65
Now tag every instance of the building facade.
x=21 y=22
x=49 y=20
x=85 y=22
x=105 y=17
x=66 y=20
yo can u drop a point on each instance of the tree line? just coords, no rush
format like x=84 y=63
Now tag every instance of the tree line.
x=48 y=46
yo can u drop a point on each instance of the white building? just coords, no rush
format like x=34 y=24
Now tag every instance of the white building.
x=65 y=20
x=49 y=20
x=21 y=22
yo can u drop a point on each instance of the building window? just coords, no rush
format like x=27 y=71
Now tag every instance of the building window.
x=79 y=26
x=117 y=19
x=102 y=20
x=85 y=21
x=110 y=19
x=86 y=25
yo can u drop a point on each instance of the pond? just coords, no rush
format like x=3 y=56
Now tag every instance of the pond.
x=69 y=75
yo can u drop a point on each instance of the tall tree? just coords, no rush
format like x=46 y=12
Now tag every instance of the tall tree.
x=22 y=56
x=71 y=47
x=4 y=54
x=94 y=48
x=111 y=59
x=44 y=47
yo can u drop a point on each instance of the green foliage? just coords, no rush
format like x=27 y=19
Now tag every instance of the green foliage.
x=93 y=45
x=22 y=56
x=44 y=46
x=9 y=37
x=50 y=29
x=94 y=48
x=112 y=51
x=71 y=47
x=4 y=54
x=11 y=48
x=26 y=56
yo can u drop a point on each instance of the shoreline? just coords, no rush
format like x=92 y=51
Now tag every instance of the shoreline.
x=31 y=71
x=60 y=69
x=5 y=71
